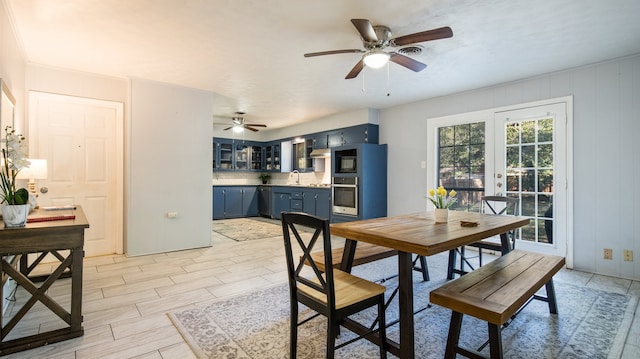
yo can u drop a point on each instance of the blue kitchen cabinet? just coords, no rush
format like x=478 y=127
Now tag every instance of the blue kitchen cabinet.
x=257 y=158
x=309 y=201
x=281 y=201
x=231 y=155
x=272 y=157
x=317 y=201
x=334 y=139
x=320 y=140
x=323 y=203
x=250 y=201
x=218 y=202
x=224 y=154
x=235 y=201
x=360 y=134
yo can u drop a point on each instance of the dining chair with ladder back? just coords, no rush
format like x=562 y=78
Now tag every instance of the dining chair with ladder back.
x=498 y=205
x=334 y=294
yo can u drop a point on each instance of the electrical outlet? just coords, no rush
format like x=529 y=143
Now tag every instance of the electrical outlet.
x=628 y=255
x=608 y=253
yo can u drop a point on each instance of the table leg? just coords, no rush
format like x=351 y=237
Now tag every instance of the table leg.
x=405 y=300
x=76 y=289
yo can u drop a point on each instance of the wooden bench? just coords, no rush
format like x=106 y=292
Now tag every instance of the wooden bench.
x=365 y=253
x=494 y=293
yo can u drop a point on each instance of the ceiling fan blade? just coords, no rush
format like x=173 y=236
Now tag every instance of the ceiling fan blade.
x=355 y=71
x=435 y=34
x=407 y=62
x=228 y=128
x=255 y=125
x=333 y=52
x=365 y=29
x=251 y=128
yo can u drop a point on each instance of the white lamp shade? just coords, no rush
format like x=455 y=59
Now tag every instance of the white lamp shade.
x=36 y=170
x=376 y=59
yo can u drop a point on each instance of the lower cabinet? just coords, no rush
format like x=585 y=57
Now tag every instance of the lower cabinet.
x=269 y=201
x=281 y=202
x=317 y=202
x=235 y=201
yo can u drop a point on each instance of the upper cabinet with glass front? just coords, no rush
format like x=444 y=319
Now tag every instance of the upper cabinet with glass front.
x=229 y=155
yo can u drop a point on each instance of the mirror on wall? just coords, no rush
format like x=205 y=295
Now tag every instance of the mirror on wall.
x=7 y=107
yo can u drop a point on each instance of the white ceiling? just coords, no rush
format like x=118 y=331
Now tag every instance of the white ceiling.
x=250 y=52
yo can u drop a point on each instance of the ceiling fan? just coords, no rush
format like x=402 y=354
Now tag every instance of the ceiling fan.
x=376 y=39
x=238 y=123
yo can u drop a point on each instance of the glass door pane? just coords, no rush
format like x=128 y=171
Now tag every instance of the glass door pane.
x=461 y=163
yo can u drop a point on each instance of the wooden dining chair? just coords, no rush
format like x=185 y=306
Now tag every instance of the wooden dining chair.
x=334 y=293
x=498 y=205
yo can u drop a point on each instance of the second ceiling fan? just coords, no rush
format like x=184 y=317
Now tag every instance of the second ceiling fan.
x=238 y=123
x=377 y=38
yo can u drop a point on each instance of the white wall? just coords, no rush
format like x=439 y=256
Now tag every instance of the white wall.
x=169 y=169
x=12 y=68
x=606 y=153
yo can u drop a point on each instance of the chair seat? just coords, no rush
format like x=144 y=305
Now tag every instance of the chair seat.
x=349 y=289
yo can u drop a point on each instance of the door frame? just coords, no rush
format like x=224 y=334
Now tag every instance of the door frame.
x=488 y=116
x=119 y=147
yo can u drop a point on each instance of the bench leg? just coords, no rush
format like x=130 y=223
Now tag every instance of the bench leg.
x=495 y=341
x=454 y=335
x=551 y=297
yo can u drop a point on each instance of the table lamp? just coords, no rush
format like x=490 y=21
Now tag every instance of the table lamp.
x=36 y=170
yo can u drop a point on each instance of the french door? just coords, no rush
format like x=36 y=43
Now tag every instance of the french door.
x=521 y=152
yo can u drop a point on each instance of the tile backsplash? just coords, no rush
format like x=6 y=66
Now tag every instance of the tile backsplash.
x=277 y=178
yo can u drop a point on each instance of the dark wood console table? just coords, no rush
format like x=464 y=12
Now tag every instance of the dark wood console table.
x=44 y=238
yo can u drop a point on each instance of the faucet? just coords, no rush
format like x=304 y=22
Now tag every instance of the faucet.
x=298 y=180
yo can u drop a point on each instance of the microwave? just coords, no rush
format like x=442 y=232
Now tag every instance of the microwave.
x=347 y=164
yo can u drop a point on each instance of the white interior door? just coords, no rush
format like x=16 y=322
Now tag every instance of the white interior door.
x=81 y=139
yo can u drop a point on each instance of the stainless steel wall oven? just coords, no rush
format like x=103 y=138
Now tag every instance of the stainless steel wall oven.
x=344 y=191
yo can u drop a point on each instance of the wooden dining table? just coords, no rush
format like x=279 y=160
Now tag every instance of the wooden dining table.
x=418 y=234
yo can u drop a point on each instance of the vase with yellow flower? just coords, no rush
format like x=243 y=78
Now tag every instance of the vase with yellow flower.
x=442 y=201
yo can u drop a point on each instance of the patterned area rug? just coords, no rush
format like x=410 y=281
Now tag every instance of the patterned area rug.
x=590 y=324
x=244 y=229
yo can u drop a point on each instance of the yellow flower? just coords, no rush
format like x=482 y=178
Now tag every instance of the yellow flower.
x=440 y=199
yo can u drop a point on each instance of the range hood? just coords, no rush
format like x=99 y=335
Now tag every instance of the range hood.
x=320 y=153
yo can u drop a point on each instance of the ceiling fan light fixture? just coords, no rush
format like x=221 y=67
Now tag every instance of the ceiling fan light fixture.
x=238 y=129
x=376 y=59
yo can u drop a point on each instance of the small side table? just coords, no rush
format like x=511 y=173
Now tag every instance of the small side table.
x=45 y=237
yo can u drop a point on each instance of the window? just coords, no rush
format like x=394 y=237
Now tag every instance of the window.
x=461 y=162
